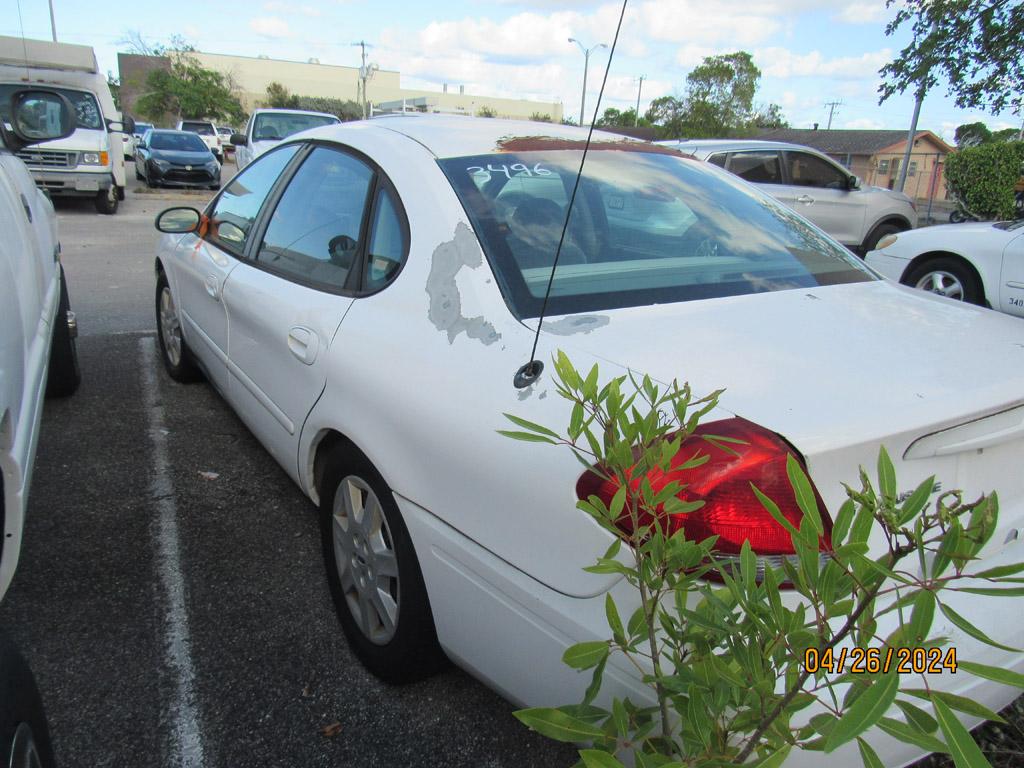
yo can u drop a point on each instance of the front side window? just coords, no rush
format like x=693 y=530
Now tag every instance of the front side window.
x=756 y=167
x=236 y=209
x=273 y=126
x=314 y=233
x=647 y=227
x=806 y=170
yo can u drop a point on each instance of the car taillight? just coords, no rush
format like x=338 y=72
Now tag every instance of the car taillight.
x=731 y=510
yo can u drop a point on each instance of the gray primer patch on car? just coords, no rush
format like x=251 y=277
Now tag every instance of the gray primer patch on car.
x=445 y=310
x=581 y=324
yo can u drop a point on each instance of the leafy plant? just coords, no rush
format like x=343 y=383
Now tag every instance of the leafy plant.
x=486 y=111
x=983 y=177
x=733 y=667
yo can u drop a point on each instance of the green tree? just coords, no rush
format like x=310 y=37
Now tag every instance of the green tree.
x=720 y=94
x=278 y=97
x=189 y=90
x=114 y=84
x=486 y=111
x=540 y=117
x=1006 y=134
x=769 y=117
x=627 y=118
x=972 y=134
x=976 y=46
x=666 y=112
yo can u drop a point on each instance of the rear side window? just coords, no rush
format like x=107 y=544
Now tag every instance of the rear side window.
x=232 y=216
x=314 y=234
x=647 y=227
x=756 y=167
x=389 y=241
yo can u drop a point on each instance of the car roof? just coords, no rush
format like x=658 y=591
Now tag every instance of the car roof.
x=689 y=145
x=462 y=135
x=171 y=130
x=276 y=111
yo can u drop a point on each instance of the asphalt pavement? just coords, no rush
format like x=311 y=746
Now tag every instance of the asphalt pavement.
x=171 y=596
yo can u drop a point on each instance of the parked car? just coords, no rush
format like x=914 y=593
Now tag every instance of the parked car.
x=207 y=131
x=37 y=356
x=363 y=295
x=979 y=262
x=813 y=185
x=89 y=162
x=225 y=132
x=176 y=159
x=268 y=127
x=136 y=136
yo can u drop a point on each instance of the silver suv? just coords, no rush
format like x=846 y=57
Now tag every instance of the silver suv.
x=813 y=185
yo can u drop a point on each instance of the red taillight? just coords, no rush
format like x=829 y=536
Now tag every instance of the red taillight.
x=731 y=510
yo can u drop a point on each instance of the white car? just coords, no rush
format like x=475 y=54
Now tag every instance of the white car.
x=980 y=262
x=37 y=357
x=207 y=131
x=812 y=184
x=363 y=296
x=268 y=127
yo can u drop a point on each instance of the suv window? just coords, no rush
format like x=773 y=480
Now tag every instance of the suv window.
x=314 y=232
x=236 y=209
x=807 y=170
x=758 y=167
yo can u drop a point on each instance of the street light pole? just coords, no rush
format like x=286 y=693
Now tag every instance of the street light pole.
x=53 y=24
x=586 y=64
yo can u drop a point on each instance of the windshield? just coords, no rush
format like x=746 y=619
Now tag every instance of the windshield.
x=87 y=111
x=203 y=129
x=141 y=128
x=177 y=142
x=647 y=227
x=276 y=126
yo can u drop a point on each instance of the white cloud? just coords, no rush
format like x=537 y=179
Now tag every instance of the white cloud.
x=690 y=56
x=863 y=13
x=784 y=63
x=270 y=26
x=277 y=6
x=864 y=123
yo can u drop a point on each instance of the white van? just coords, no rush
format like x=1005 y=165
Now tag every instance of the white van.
x=89 y=162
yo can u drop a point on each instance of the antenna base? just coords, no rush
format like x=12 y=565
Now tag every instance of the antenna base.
x=528 y=374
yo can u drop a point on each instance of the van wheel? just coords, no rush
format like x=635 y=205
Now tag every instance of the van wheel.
x=106 y=200
x=24 y=734
x=65 y=375
x=373 y=573
x=174 y=351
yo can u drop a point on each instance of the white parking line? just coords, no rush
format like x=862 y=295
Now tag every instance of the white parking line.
x=187 y=742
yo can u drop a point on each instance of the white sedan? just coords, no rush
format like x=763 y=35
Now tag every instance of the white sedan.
x=364 y=294
x=980 y=263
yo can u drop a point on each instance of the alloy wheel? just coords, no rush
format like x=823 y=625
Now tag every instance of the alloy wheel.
x=942 y=283
x=170 y=328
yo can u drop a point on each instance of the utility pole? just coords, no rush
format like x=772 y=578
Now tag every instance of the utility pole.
x=636 y=115
x=913 y=124
x=831 y=111
x=363 y=75
x=53 y=24
x=586 y=63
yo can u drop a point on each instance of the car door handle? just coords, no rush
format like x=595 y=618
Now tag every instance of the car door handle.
x=213 y=286
x=304 y=344
x=805 y=199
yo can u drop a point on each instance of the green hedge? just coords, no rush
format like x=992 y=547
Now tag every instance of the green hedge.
x=983 y=177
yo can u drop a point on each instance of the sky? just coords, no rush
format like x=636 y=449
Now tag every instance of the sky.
x=810 y=52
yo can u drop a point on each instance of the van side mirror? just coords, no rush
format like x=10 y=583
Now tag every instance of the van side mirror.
x=125 y=125
x=852 y=182
x=39 y=115
x=239 y=140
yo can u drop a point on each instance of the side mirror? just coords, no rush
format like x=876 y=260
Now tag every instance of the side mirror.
x=40 y=115
x=178 y=221
x=852 y=182
x=126 y=125
x=239 y=140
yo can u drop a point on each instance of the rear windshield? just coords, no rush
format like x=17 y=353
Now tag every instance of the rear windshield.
x=647 y=227
x=271 y=126
x=203 y=129
x=87 y=111
x=177 y=142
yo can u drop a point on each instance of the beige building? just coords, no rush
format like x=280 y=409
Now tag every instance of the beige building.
x=251 y=76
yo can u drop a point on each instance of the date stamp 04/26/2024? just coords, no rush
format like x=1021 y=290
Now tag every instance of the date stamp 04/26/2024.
x=871 y=661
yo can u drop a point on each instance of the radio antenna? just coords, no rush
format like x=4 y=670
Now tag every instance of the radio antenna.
x=531 y=371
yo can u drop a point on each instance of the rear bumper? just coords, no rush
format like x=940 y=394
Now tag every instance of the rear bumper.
x=72 y=182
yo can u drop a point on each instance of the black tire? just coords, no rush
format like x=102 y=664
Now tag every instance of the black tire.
x=107 y=201
x=184 y=368
x=411 y=651
x=945 y=270
x=957 y=216
x=138 y=176
x=64 y=375
x=23 y=728
x=871 y=242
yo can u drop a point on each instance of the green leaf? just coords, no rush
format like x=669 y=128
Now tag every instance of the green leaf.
x=1000 y=675
x=913 y=505
x=843 y=520
x=621 y=717
x=775 y=759
x=972 y=630
x=804 y=493
x=1002 y=570
x=865 y=711
x=595 y=758
x=962 y=746
x=585 y=655
x=529 y=425
x=921 y=617
x=960 y=703
x=867 y=755
x=527 y=437
x=917 y=717
x=595 y=682
x=992 y=591
x=614 y=621
x=773 y=510
x=886 y=474
x=911 y=735
x=558 y=725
